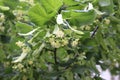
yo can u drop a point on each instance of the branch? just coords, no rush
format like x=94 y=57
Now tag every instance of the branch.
x=55 y=56
x=55 y=59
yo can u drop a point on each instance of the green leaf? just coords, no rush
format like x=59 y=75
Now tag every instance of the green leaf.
x=80 y=18
x=104 y=2
x=9 y=15
x=106 y=6
x=118 y=28
x=69 y=75
x=51 y=5
x=79 y=69
x=8 y=70
x=98 y=78
x=62 y=53
x=38 y=15
x=42 y=13
x=53 y=74
x=114 y=19
x=23 y=28
x=10 y=3
x=70 y=2
x=100 y=40
x=112 y=43
x=2 y=55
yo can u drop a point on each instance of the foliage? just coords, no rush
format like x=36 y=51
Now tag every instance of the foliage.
x=58 y=39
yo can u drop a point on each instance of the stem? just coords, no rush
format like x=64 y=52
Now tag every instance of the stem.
x=55 y=56
x=55 y=59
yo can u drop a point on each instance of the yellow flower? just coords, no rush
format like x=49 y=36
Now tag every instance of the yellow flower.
x=2 y=28
x=30 y=62
x=55 y=44
x=20 y=44
x=64 y=42
x=20 y=66
x=60 y=34
x=107 y=21
x=75 y=43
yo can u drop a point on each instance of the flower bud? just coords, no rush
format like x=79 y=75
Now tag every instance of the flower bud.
x=59 y=19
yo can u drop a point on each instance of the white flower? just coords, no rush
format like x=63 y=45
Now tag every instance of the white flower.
x=59 y=19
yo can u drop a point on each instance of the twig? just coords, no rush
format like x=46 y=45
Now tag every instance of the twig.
x=94 y=32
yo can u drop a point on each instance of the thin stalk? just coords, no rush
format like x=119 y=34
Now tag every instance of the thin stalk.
x=55 y=56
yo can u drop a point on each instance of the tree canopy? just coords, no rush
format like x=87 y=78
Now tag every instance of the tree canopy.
x=59 y=39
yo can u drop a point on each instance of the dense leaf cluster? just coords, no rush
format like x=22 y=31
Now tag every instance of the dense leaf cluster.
x=59 y=39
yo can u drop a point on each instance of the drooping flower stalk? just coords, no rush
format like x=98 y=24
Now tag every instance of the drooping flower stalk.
x=25 y=51
x=60 y=20
x=29 y=33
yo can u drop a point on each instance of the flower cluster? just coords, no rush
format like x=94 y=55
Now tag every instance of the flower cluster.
x=19 y=67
